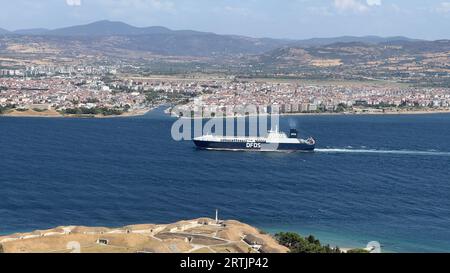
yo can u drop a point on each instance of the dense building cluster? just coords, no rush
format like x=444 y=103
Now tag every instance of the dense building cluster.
x=62 y=93
x=108 y=91
x=297 y=98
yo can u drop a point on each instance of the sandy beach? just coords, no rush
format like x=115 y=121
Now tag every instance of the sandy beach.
x=55 y=114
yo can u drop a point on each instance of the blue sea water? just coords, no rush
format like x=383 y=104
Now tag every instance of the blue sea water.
x=383 y=178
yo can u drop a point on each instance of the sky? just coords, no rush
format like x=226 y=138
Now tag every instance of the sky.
x=293 y=19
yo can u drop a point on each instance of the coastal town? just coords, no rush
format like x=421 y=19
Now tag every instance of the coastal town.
x=318 y=129
x=85 y=94
x=299 y=97
x=104 y=92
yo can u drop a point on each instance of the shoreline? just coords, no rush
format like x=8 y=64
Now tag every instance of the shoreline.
x=421 y=112
x=55 y=114
x=142 y=112
x=344 y=244
x=390 y=113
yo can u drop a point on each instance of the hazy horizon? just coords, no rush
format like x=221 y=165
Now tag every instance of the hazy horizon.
x=286 y=38
x=287 y=19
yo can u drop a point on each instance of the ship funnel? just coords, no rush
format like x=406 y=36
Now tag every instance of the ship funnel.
x=293 y=133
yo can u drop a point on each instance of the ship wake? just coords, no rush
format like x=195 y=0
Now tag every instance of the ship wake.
x=392 y=152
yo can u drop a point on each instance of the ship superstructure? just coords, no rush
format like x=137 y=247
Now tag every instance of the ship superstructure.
x=275 y=141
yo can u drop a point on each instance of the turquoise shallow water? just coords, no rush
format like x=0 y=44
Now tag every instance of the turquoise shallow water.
x=384 y=178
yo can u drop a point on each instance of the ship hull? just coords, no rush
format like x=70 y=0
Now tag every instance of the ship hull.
x=253 y=146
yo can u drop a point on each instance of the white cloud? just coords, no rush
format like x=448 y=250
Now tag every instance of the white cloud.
x=162 y=5
x=237 y=10
x=374 y=2
x=322 y=11
x=444 y=7
x=124 y=6
x=352 y=5
x=73 y=3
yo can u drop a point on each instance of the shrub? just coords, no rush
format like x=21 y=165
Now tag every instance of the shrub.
x=299 y=244
x=357 y=250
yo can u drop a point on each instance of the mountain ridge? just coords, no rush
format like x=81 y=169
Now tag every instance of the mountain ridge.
x=107 y=28
x=4 y=31
x=31 y=31
x=112 y=28
x=110 y=37
x=368 y=39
